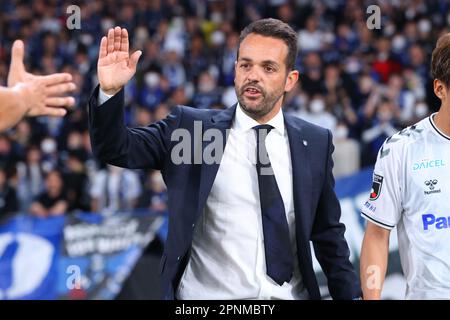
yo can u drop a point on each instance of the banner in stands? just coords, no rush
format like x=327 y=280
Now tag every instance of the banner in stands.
x=84 y=256
x=88 y=256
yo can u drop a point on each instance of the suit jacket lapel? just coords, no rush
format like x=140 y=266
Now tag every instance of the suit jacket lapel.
x=302 y=178
x=221 y=121
x=300 y=157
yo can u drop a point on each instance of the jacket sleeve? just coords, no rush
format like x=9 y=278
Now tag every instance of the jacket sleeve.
x=112 y=142
x=328 y=239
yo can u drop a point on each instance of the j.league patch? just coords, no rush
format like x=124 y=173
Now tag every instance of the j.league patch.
x=376 y=187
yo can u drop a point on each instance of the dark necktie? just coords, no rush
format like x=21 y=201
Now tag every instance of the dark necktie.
x=277 y=246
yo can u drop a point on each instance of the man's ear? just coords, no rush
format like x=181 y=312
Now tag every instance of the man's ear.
x=291 y=80
x=440 y=89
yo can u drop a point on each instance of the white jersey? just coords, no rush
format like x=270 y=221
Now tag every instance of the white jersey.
x=411 y=190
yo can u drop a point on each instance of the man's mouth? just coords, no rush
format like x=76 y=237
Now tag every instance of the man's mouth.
x=252 y=92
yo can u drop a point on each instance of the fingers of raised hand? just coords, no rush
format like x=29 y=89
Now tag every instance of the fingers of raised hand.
x=124 y=46
x=117 y=38
x=110 y=43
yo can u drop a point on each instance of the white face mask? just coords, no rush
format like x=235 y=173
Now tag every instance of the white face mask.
x=341 y=132
x=206 y=86
x=383 y=56
x=141 y=34
x=107 y=24
x=352 y=66
x=151 y=79
x=216 y=17
x=48 y=146
x=398 y=43
x=317 y=106
x=389 y=30
x=218 y=38
x=301 y=101
x=419 y=93
x=424 y=26
x=86 y=39
x=385 y=115
x=421 y=110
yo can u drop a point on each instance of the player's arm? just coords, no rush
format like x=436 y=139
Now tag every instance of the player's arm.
x=374 y=259
x=383 y=212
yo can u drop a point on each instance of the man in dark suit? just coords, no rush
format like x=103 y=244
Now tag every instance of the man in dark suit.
x=249 y=187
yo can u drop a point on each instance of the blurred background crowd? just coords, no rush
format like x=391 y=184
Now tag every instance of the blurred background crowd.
x=362 y=84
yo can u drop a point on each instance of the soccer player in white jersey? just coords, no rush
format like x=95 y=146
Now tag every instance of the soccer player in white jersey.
x=411 y=191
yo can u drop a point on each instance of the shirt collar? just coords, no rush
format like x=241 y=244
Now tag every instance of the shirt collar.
x=433 y=124
x=243 y=122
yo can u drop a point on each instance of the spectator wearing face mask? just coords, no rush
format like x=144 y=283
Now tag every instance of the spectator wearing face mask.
x=50 y=155
x=208 y=93
x=152 y=93
x=318 y=114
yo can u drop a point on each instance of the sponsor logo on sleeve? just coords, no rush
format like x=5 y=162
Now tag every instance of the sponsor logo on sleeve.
x=370 y=206
x=377 y=183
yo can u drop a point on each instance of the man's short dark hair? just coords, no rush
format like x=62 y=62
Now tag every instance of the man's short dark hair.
x=275 y=29
x=440 y=60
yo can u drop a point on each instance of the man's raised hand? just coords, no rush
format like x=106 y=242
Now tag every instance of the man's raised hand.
x=115 y=66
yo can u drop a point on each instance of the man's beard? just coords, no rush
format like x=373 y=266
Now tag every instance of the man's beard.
x=264 y=107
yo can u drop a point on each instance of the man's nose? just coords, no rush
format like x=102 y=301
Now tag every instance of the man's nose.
x=253 y=75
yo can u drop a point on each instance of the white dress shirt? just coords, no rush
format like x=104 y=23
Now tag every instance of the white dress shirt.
x=227 y=258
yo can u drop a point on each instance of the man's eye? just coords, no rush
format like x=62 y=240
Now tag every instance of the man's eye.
x=245 y=66
x=269 y=69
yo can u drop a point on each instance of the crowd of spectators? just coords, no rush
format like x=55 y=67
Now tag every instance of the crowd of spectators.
x=363 y=84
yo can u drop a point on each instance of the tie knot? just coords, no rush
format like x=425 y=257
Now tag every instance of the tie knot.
x=262 y=131
x=263 y=127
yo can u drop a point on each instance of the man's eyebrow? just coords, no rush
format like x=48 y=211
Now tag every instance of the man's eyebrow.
x=264 y=62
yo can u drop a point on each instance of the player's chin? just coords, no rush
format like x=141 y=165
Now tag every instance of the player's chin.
x=253 y=108
x=254 y=104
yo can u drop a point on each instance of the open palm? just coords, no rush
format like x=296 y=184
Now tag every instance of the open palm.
x=115 y=66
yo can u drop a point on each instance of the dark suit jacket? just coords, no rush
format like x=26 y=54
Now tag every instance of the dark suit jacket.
x=317 y=210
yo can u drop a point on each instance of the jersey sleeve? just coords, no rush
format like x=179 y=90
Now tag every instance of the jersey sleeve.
x=383 y=207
